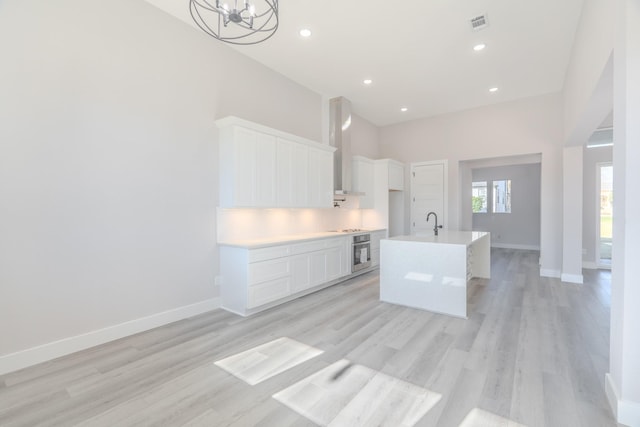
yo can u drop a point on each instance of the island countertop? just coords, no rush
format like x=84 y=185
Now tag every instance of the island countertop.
x=451 y=237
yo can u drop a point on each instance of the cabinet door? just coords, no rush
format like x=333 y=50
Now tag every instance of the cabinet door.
x=396 y=177
x=326 y=179
x=375 y=246
x=318 y=267
x=285 y=173
x=300 y=176
x=363 y=181
x=244 y=174
x=265 y=161
x=320 y=175
x=334 y=262
x=346 y=256
x=300 y=273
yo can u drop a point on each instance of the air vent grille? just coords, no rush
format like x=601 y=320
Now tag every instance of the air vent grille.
x=479 y=22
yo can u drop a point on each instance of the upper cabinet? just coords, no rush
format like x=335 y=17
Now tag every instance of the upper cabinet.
x=363 y=181
x=396 y=175
x=267 y=168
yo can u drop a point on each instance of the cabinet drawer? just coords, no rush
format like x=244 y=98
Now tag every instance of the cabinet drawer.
x=302 y=248
x=267 y=270
x=337 y=242
x=270 y=291
x=272 y=252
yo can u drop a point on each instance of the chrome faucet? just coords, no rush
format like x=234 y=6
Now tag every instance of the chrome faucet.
x=435 y=228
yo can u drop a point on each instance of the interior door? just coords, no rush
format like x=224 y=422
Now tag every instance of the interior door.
x=428 y=194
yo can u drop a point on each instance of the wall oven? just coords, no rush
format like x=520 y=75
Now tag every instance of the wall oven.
x=360 y=252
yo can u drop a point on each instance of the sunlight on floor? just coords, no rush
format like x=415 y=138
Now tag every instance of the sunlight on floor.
x=267 y=360
x=479 y=418
x=347 y=394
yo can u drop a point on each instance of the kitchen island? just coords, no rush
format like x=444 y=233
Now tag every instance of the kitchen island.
x=431 y=272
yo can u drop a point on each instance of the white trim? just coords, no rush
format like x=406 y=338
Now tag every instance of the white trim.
x=624 y=411
x=546 y=272
x=444 y=221
x=515 y=246
x=589 y=265
x=42 y=353
x=572 y=278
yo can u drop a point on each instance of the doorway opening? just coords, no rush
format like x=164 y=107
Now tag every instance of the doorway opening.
x=604 y=232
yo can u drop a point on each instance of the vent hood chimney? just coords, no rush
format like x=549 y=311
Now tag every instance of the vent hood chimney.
x=340 y=137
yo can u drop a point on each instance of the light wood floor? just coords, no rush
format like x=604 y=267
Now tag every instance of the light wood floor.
x=534 y=351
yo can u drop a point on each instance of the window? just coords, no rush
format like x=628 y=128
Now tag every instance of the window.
x=502 y=196
x=479 y=196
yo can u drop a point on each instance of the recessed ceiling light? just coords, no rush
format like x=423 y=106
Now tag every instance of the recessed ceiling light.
x=493 y=89
x=367 y=81
x=404 y=109
x=305 y=32
x=479 y=47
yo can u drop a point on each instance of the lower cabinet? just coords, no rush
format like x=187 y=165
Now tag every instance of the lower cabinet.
x=255 y=279
x=376 y=236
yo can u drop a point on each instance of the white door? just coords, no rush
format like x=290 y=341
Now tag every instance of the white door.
x=428 y=194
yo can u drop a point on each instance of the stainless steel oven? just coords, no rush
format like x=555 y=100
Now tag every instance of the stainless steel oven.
x=361 y=252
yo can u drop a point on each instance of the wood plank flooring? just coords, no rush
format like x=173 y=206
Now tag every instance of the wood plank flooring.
x=534 y=351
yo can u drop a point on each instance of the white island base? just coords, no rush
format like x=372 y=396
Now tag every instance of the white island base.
x=431 y=272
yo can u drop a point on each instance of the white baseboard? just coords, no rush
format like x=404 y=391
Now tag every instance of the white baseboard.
x=514 y=246
x=572 y=278
x=545 y=272
x=32 y=356
x=624 y=411
x=589 y=265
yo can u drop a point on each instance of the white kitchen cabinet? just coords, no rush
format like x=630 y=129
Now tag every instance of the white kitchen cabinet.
x=376 y=236
x=265 y=180
x=300 y=176
x=264 y=167
x=396 y=175
x=363 y=180
x=318 y=264
x=255 y=279
x=320 y=178
x=293 y=174
x=301 y=273
x=248 y=171
x=284 y=173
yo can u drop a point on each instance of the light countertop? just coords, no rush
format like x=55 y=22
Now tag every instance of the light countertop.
x=450 y=237
x=290 y=238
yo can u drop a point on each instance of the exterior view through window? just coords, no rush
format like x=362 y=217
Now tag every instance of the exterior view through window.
x=500 y=196
x=479 y=196
x=606 y=213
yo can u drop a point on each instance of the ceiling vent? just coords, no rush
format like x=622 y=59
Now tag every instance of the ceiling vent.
x=479 y=22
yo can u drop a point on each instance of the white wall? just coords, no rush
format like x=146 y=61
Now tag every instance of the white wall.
x=572 y=214
x=592 y=156
x=521 y=227
x=108 y=164
x=364 y=138
x=588 y=98
x=526 y=126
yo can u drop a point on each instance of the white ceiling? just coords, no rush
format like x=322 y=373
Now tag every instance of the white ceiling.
x=418 y=53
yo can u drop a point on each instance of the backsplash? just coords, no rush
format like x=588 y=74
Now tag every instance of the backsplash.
x=243 y=224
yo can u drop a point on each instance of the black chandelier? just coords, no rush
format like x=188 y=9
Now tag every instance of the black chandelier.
x=246 y=22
